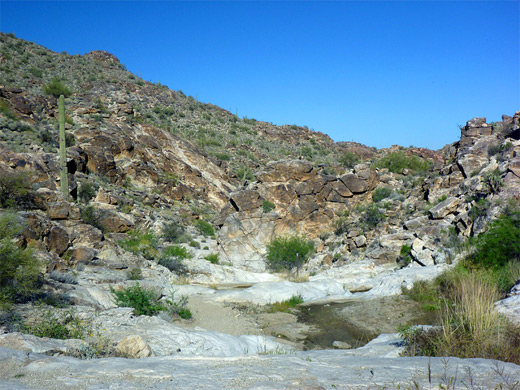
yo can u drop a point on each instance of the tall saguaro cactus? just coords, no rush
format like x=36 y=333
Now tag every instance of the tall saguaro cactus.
x=64 y=179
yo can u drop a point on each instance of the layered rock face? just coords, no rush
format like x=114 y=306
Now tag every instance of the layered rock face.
x=304 y=202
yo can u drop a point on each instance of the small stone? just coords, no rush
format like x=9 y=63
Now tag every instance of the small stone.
x=341 y=345
x=133 y=347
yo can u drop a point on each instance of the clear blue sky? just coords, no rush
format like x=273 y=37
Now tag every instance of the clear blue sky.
x=379 y=73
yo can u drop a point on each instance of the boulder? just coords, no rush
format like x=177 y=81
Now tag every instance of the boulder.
x=133 y=347
x=448 y=206
x=58 y=240
x=58 y=210
x=286 y=170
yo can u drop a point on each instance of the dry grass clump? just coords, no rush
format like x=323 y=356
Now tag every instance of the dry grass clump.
x=471 y=327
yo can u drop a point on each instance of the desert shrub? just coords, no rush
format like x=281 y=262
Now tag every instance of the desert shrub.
x=63 y=325
x=381 y=193
x=212 y=258
x=397 y=162
x=244 y=174
x=501 y=242
x=286 y=306
x=4 y=110
x=87 y=191
x=493 y=181
x=15 y=190
x=56 y=88
x=288 y=252
x=173 y=232
x=341 y=225
x=144 y=301
x=176 y=251
x=405 y=255
x=372 y=216
x=205 y=228
x=90 y=215
x=20 y=277
x=143 y=244
x=134 y=274
x=479 y=209
x=178 y=306
x=194 y=244
x=493 y=150
x=349 y=159
x=268 y=206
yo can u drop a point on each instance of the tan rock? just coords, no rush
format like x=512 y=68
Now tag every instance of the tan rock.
x=446 y=207
x=133 y=347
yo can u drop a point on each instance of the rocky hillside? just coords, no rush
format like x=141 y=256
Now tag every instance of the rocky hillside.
x=180 y=194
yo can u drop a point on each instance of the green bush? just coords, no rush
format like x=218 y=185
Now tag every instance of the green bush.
x=144 y=244
x=212 y=258
x=205 y=228
x=381 y=193
x=56 y=88
x=173 y=232
x=20 y=277
x=244 y=174
x=397 y=162
x=87 y=191
x=176 y=251
x=288 y=252
x=349 y=159
x=15 y=190
x=372 y=216
x=493 y=181
x=89 y=214
x=65 y=325
x=500 y=244
x=268 y=206
x=405 y=256
x=134 y=273
x=479 y=209
x=143 y=300
x=178 y=306
x=286 y=306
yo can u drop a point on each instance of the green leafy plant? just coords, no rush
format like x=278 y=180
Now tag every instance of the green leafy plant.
x=212 y=258
x=144 y=301
x=174 y=232
x=349 y=159
x=134 y=273
x=397 y=162
x=139 y=243
x=87 y=191
x=268 y=206
x=381 y=193
x=373 y=216
x=205 y=228
x=56 y=88
x=178 y=306
x=288 y=252
x=15 y=190
x=20 y=277
x=60 y=325
x=493 y=181
x=405 y=255
x=286 y=306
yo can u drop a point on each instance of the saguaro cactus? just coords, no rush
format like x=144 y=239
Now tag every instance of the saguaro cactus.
x=64 y=179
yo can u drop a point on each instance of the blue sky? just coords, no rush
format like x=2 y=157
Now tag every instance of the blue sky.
x=379 y=73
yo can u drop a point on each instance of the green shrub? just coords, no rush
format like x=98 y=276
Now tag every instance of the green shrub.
x=15 y=190
x=372 y=216
x=479 y=209
x=144 y=244
x=87 y=191
x=500 y=244
x=381 y=193
x=134 y=274
x=144 y=301
x=205 y=228
x=349 y=159
x=212 y=258
x=56 y=88
x=268 y=206
x=64 y=325
x=341 y=225
x=286 y=306
x=397 y=162
x=20 y=277
x=4 y=109
x=244 y=174
x=405 y=256
x=176 y=251
x=178 y=306
x=89 y=214
x=173 y=232
x=493 y=181
x=194 y=244
x=288 y=252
